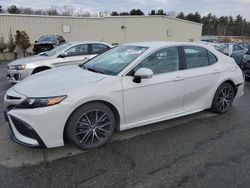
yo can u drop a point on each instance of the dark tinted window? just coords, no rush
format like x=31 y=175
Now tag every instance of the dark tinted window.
x=211 y=58
x=196 y=57
x=81 y=49
x=237 y=48
x=162 y=61
x=99 y=48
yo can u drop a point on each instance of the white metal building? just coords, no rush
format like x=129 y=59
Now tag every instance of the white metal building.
x=112 y=29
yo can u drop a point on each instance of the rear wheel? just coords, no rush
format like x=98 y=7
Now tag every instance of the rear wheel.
x=223 y=98
x=91 y=126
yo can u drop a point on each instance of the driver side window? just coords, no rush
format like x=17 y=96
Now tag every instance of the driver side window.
x=81 y=49
x=161 y=61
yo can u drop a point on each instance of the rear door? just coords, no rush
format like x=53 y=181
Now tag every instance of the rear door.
x=201 y=74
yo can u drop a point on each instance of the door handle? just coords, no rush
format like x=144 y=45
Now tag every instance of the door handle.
x=178 y=78
x=216 y=71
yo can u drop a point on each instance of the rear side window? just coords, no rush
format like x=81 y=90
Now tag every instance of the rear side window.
x=99 y=48
x=211 y=58
x=236 y=48
x=196 y=57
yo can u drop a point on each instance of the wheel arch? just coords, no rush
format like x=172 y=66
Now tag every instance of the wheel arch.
x=229 y=81
x=110 y=105
x=40 y=67
x=232 y=84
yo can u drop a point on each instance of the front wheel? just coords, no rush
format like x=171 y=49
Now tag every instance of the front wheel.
x=91 y=125
x=223 y=98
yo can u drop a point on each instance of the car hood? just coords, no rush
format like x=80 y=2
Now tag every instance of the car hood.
x=58 y=80
x=30 y=59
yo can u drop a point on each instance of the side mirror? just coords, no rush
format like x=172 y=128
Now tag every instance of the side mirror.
x=35 y=41
x=142 y=73
x=63 y=40
x=63 y=55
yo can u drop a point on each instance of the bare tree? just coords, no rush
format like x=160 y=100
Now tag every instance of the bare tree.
x=67 y=10
x=82 y=13
x=52 y=11
x=171 y=13
x=40 y=12
x=27 y=11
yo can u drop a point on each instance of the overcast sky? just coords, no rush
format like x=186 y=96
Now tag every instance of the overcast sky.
x=218 y=7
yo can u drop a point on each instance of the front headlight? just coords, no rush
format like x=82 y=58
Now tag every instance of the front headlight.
x=17 y=67
x=41 y=102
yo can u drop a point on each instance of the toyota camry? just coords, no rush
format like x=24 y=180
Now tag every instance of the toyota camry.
x=126 y=87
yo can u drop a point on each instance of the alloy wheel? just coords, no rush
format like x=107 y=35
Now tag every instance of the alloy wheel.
x=225 y=99
x=92 y=127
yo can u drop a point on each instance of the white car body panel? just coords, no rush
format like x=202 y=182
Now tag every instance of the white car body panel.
x=164 y=96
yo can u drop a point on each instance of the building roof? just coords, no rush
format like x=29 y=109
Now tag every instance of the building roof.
x=104 y=17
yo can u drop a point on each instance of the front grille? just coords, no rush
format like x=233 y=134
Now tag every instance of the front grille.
x=12 y=97
x=23 y=128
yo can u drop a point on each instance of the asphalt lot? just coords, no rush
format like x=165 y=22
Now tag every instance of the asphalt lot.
x=200 y=150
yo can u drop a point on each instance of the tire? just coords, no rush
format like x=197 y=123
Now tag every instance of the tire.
x=91 y=125
x=223 y=98
x=40 y=69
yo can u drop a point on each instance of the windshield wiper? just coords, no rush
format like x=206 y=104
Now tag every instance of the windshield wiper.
x=92 y=70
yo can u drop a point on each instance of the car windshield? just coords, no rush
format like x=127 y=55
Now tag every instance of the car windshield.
x=47 y=38
x=115 y=60
x=56 y=50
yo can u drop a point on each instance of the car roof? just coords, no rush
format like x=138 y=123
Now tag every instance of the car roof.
x=159 y=44
x=88 y=42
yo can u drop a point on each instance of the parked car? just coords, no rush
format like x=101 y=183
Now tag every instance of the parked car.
x=244 y=45
x=233 y=50
x=66 y=54
x=245 y=64
x=210 y=44
x=126 y=87
x=47 y=42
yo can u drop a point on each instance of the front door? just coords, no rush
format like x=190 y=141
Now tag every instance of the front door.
x=158 y=97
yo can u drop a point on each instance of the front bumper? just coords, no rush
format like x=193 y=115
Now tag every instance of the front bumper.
x=23 y=134
x=44 y=127
x=15 y=76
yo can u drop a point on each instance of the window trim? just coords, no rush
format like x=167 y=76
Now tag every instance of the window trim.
x=212 y=55
x=91 y=48
x=180 y=63
x=184 y=57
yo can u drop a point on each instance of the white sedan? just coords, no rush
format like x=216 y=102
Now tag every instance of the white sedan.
x=71 y=53
x=126 y=87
